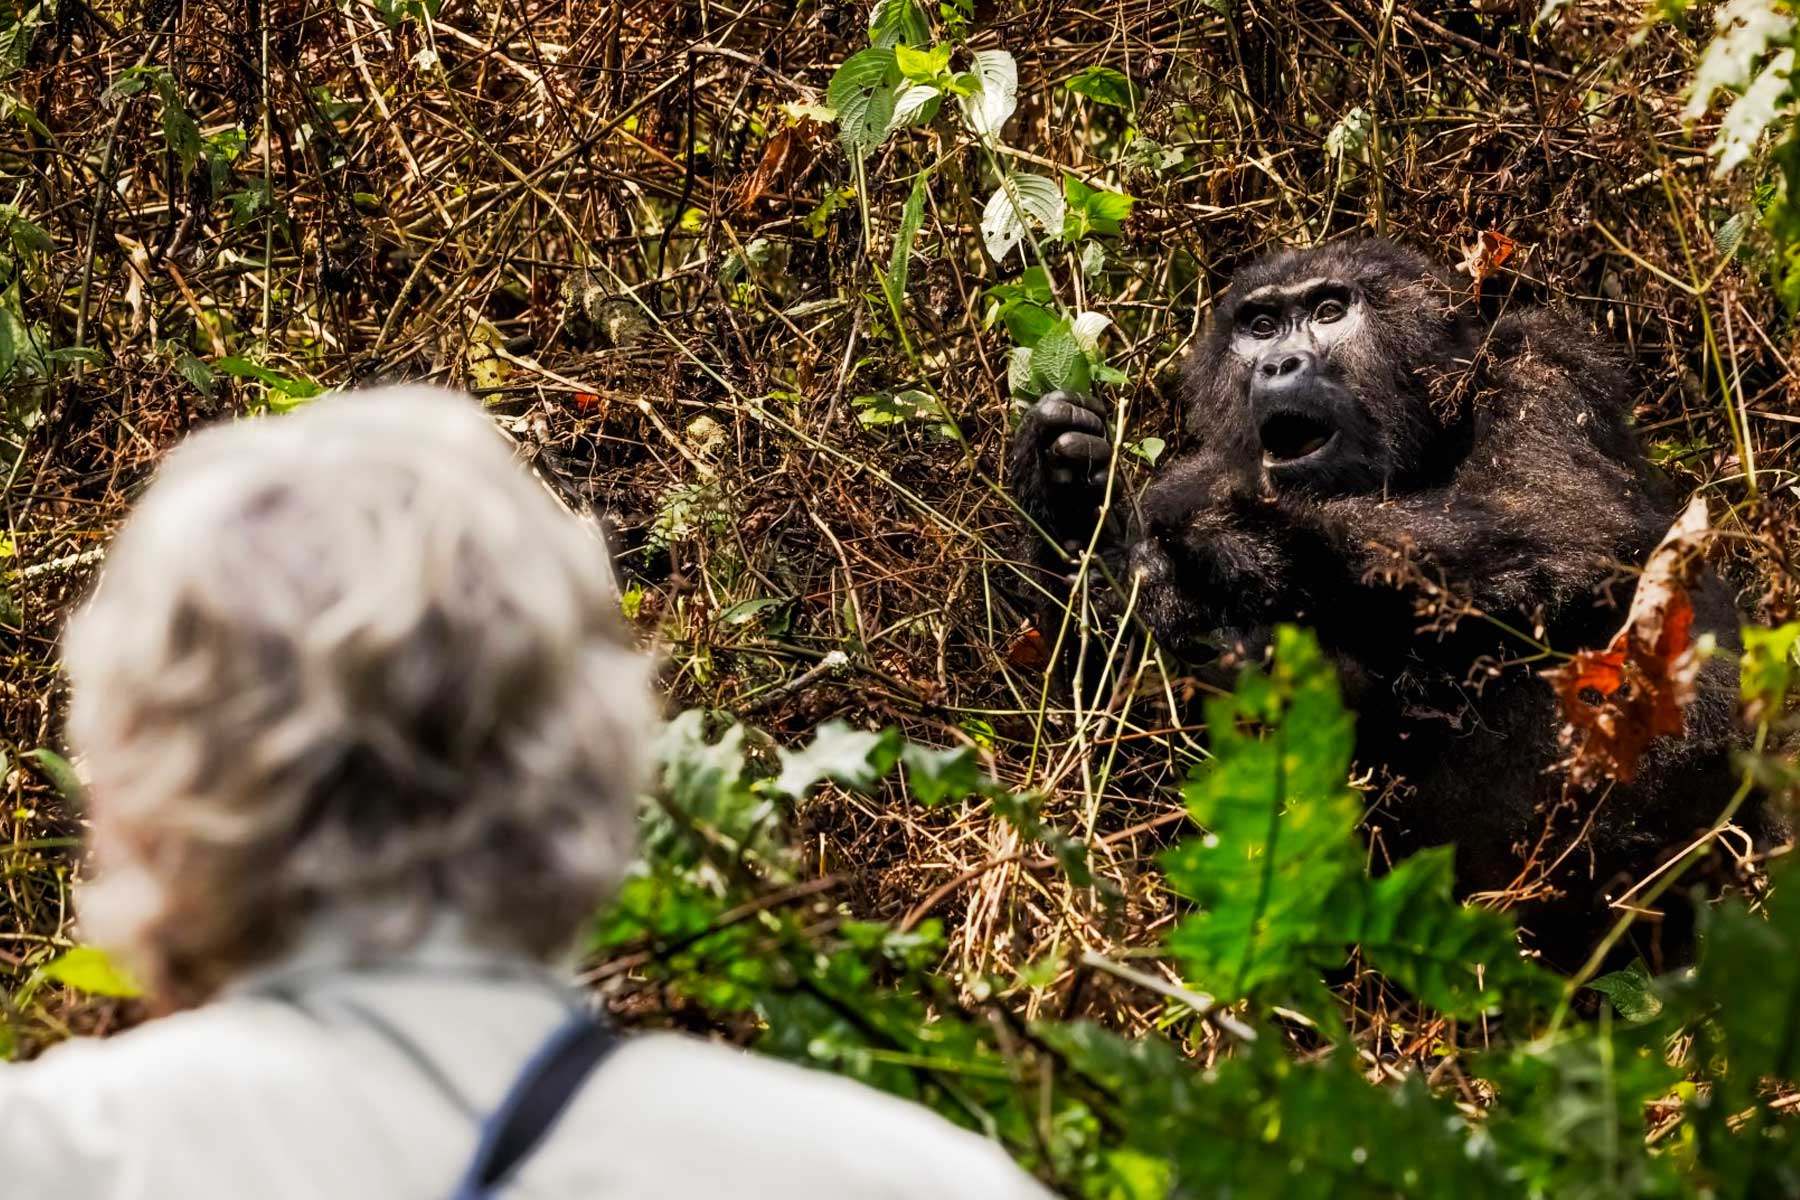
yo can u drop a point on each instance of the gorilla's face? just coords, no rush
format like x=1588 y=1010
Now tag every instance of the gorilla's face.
x=1312 y=428
x=1331 y=370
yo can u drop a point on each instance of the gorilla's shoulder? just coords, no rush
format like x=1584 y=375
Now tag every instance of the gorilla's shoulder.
x=1544 y=370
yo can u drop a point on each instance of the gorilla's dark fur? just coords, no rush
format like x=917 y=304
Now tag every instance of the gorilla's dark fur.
x=1361 y=428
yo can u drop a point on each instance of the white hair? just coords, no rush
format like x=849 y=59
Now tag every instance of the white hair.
x=354 y=655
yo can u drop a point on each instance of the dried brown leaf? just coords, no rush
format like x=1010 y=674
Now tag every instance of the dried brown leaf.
x=1618 y=700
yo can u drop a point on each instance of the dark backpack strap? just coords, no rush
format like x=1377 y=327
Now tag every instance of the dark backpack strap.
x=543 y=1089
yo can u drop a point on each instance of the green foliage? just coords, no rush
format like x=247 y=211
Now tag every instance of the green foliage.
x=1279 y=882
x=1021 y=200
x=1748 y=993
x=1103 y=85
x=90 y=970
x=179 y=129
x=727 y=917
x=912 y=218
x=863 y=94
x=1751 y=58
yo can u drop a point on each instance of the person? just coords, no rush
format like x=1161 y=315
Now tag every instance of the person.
x=364 y=736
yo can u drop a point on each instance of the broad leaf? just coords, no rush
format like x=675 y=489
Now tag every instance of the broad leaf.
x=89 y=969
x=1102 y=84
x=1280 y=851
x=863 y=92
x=1018 y=198
x=852 y=757
x=995 y=82
x=1058 y=363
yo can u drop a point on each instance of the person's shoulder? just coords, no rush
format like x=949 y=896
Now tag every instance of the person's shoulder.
x=69 y=1118
x=757 y=1110
x=169 y=1048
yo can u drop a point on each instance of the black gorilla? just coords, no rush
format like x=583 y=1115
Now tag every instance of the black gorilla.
x=1367 y=439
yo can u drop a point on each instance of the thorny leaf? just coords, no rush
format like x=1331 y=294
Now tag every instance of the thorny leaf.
x=1486 y=256
x=1618 y=700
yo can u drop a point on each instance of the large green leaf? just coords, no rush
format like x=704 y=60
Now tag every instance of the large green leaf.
x=1270 y=877
x=863 y=92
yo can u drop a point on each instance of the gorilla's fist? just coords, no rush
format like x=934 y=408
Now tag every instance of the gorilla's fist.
x=1060 y=459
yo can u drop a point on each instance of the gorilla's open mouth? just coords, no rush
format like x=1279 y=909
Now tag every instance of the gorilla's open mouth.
x=1289 y=436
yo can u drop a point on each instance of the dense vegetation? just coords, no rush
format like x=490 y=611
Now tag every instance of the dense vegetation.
x=761 y=286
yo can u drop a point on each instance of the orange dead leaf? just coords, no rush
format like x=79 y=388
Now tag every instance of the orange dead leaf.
x=1618 y=700
x=788 y=153
x=1028 y=650
x=1486 y=256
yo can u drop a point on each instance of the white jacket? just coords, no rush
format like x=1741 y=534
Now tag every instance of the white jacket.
x=316 y=1081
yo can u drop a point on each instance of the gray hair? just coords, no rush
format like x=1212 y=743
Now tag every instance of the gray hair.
x=355 y=656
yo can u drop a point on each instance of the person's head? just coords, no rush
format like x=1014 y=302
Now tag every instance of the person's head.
x=351 y=660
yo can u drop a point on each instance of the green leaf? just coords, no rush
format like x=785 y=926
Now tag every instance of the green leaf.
x=1103 y=85
x=12 y=335
x=58 y=770
x=912 y=218
x=1730 y=234
x=881 y=408
x=1018 y=198
x=1027 y=322
x=27 y=237
x=1281 y=852
x=297 y=387
x=994 y=77
x=1087 y=328
x=922 y=66
x=1631 y=993
x=854 y=758
x=1150 y=449
x=1092 y=210
x=1461 y=960
x=935 y=777
x=87 y=356
x=745 y=611
x=1058 y=362
x=1771 y=660
x=895 y=21
x=1093 y=259
x=914 y=104
x=1348 y=137
x=863 y=92
x=197 y=373
x=88 y=969
x=1570 y=1113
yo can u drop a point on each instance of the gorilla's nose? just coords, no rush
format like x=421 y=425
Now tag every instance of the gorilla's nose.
x=1284 y=369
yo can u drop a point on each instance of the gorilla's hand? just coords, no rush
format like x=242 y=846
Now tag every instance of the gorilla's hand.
x=1061 y=457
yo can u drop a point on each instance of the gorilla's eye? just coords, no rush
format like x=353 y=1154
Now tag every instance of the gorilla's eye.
x=1262 y=326
x=1328 y=311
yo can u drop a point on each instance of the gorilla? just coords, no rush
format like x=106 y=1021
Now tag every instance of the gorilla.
x=1437 y=495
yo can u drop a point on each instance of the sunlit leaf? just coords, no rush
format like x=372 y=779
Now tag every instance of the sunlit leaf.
x=89 y=969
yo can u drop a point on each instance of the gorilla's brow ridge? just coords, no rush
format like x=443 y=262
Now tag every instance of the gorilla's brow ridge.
x=1275 y=293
